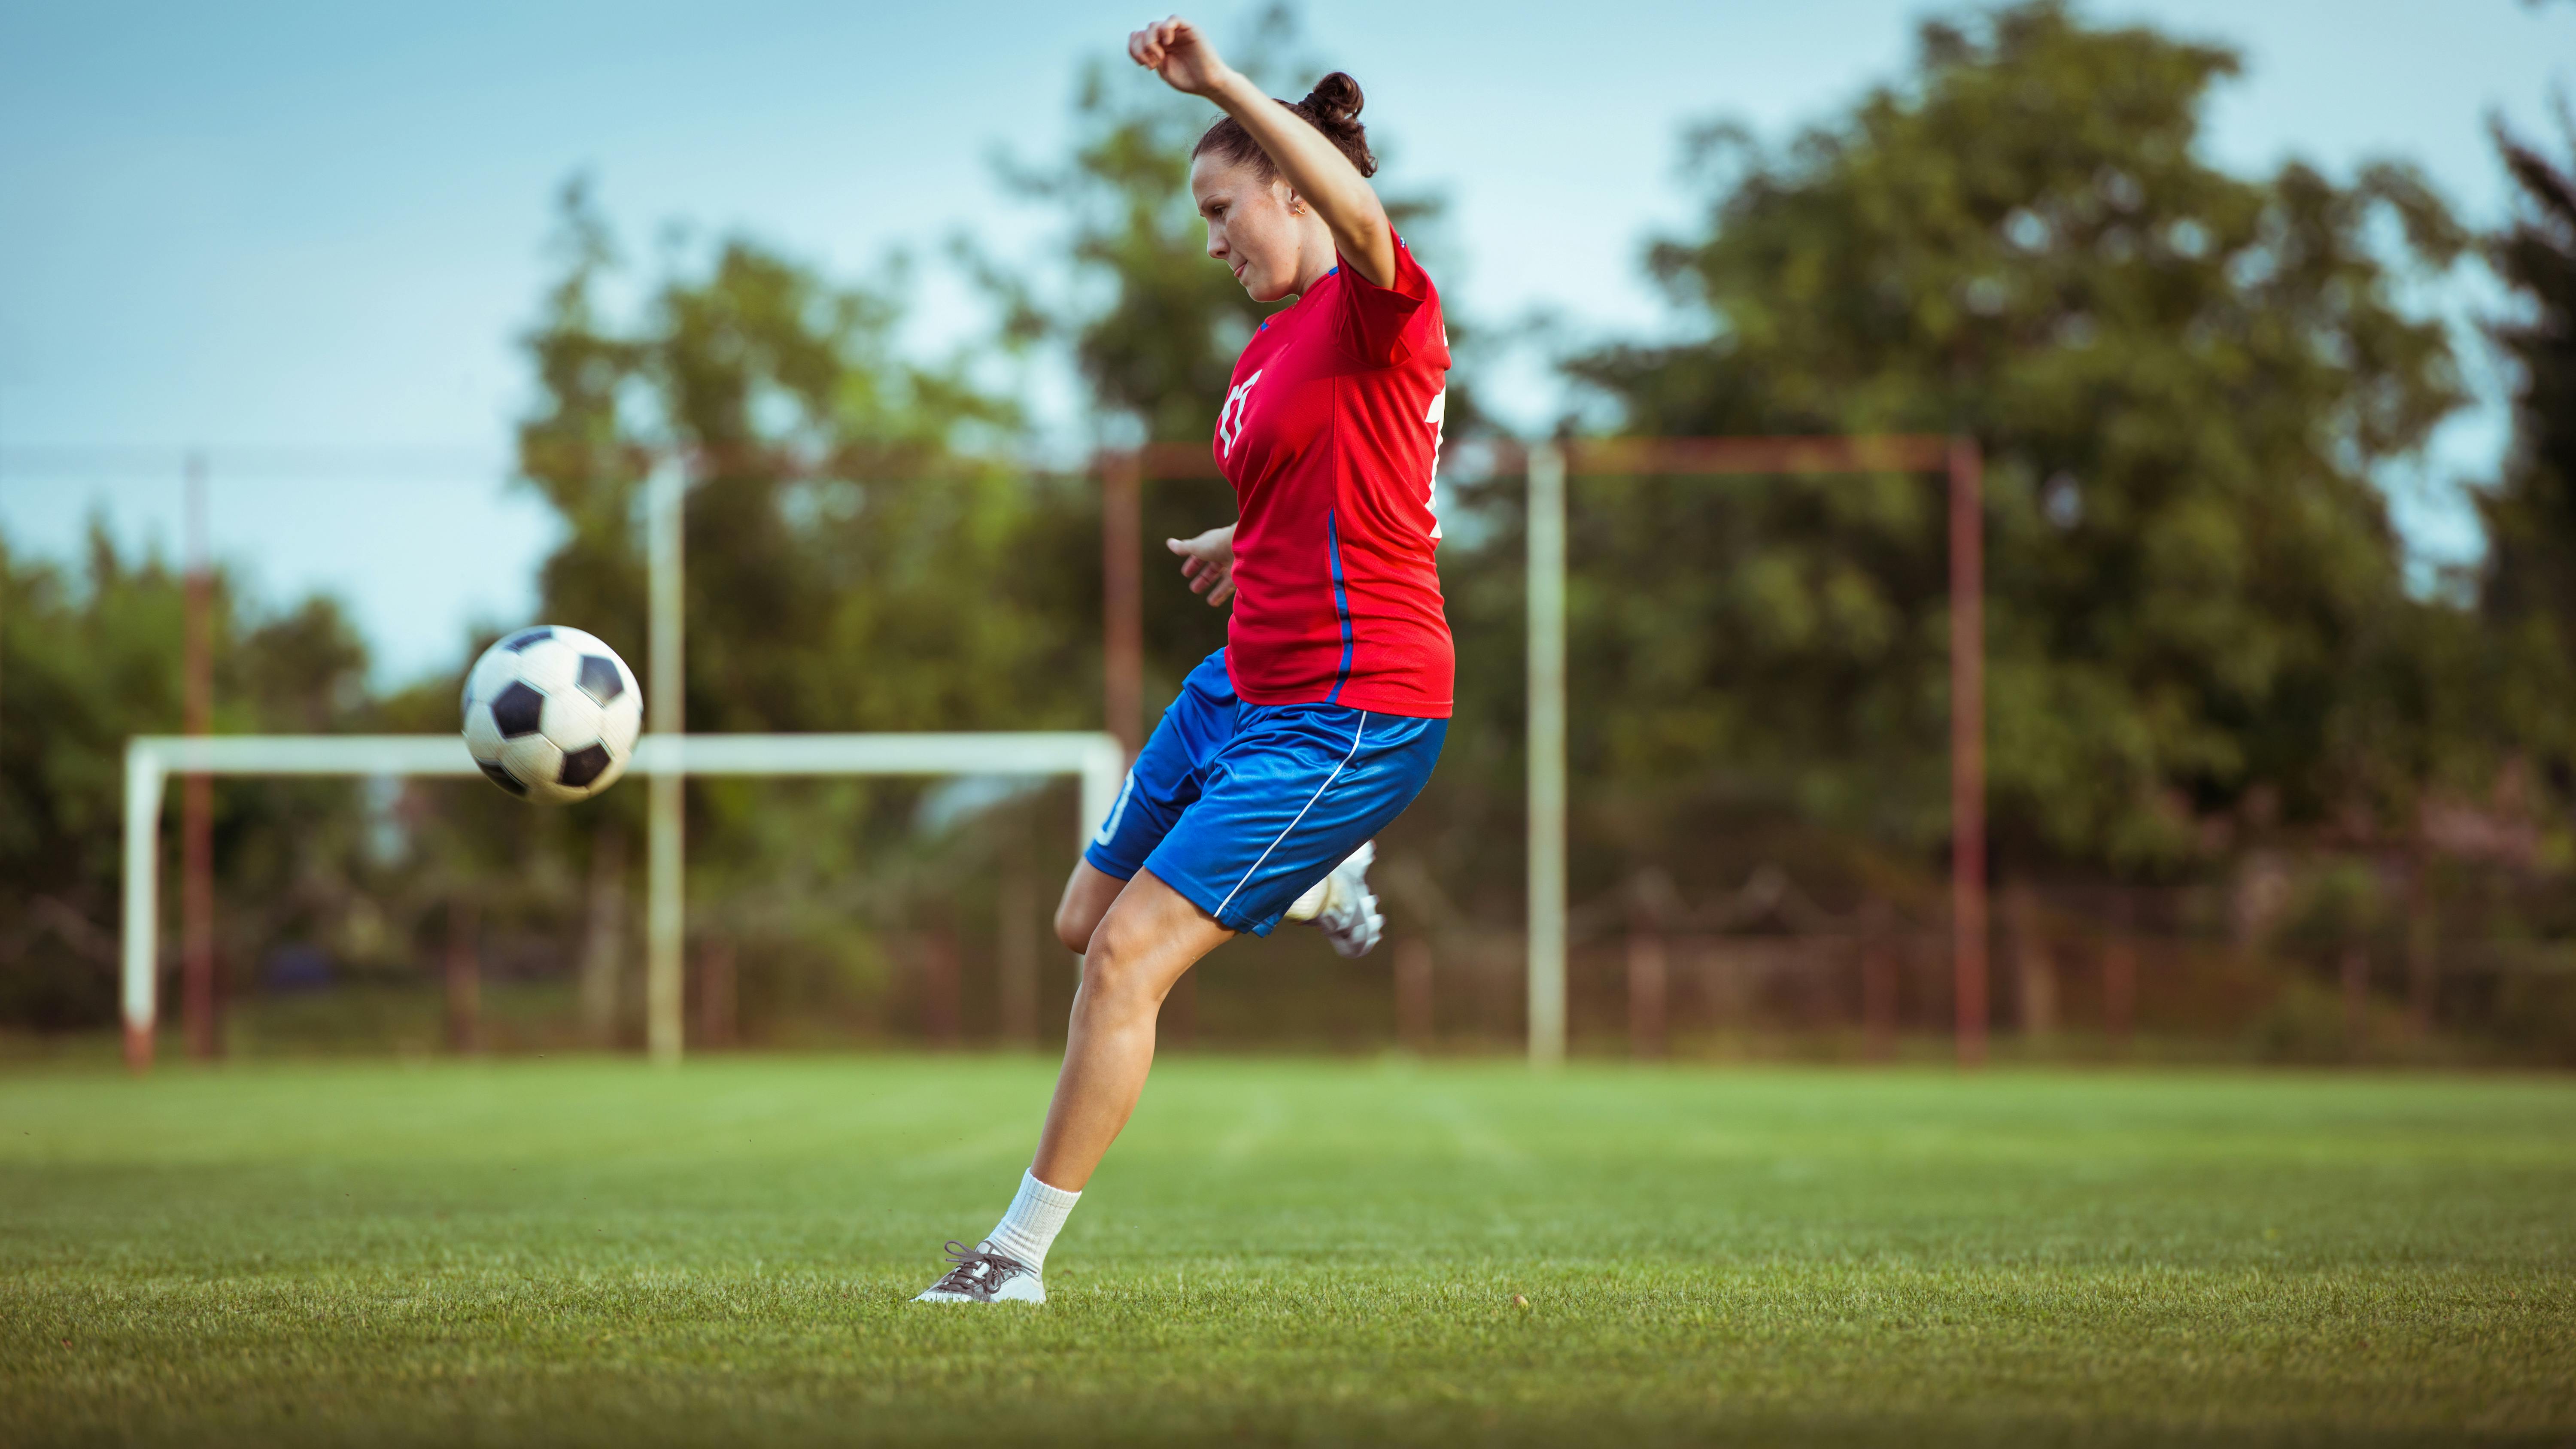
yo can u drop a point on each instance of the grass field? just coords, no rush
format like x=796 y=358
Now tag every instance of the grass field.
x=1286 y=1252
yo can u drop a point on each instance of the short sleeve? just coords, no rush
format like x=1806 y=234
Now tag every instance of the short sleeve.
x=1381 y=325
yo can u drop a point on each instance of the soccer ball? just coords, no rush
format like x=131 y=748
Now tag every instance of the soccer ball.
x=551 y=714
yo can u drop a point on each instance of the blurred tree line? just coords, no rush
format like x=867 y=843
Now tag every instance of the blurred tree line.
x=2206 y=664
x=92 y=656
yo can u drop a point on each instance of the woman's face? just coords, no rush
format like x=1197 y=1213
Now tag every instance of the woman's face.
x=1255 y=226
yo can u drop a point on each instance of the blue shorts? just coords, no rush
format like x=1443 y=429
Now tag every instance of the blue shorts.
x=1243 y=807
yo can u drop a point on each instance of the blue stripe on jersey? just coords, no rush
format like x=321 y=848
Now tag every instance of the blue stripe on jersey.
x=1341 y=602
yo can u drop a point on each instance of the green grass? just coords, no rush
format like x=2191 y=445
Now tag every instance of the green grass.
x=593 y=1252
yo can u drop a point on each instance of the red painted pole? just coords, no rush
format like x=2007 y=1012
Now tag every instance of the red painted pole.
x=1122 y=611
x=1968 y=747
x=197 y=794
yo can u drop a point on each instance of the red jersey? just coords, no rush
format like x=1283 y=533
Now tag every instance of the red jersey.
x=1330 y=433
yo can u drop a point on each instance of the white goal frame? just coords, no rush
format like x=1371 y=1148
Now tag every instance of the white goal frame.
x=1096 y=759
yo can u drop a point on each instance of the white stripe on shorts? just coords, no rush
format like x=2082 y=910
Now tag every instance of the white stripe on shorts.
x=1360 y=730
x=1117 y=812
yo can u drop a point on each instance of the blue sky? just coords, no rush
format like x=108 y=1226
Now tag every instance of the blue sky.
x=306 y=236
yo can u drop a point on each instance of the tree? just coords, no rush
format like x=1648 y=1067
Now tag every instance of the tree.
x=2528 y=592
x=2183 y=381
x=94 y=657
x=847 y=503
x=864 y=553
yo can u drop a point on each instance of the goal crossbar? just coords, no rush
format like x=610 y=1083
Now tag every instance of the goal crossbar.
x=1095 y=758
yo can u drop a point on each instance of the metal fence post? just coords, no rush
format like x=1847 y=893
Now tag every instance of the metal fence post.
x=1546 y=754
x=140 y=988
x=199 y=1003
x=665 y=912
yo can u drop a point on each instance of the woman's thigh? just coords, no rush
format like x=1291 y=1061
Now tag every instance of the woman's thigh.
x=1151 y=935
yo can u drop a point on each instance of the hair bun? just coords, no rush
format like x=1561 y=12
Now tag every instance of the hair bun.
x=1334 y=108
x=1335 y=99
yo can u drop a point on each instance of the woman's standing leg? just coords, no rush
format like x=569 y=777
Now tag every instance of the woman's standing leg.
x=1151 y=935
x=1148 y=937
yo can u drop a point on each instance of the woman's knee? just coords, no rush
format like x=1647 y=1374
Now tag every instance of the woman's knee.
x=1088 y=894
x=1075 y=920
x=1120 y=966
x=1146 y=940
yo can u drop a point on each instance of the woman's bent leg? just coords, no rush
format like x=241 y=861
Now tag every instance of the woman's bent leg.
x=1088 y=894
x=1151 y=935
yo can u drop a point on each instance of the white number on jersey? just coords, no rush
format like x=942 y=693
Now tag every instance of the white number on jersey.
x=1229 y=419
x=1438 y=415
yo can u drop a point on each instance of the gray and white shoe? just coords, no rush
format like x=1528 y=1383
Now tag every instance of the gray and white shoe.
x=1350 y=918
x=984 y=1275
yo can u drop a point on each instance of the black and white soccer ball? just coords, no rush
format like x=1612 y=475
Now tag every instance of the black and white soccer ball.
x=552 y=714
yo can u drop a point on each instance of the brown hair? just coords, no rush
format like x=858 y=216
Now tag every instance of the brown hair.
x=1332 y=107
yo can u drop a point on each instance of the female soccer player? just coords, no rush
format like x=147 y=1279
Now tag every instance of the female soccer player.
x=1258 y=796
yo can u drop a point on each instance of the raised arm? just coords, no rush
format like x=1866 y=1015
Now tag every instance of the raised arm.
x=1314 y=168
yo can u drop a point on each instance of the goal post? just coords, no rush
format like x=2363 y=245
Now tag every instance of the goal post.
x=1961 y=464
x=1096 y=759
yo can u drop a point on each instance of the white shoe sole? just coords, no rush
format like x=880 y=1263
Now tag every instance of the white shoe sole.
x=1007 y=1296
x=1350 y=918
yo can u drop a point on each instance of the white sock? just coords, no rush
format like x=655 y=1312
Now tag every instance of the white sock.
x=1036 y=1216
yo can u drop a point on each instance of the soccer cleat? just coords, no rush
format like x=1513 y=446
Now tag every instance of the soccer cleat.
x=1350 y=918
x=983 y=1275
